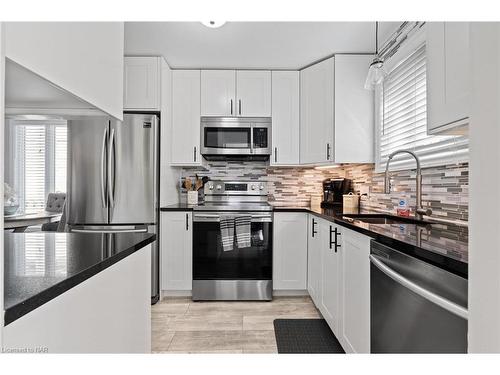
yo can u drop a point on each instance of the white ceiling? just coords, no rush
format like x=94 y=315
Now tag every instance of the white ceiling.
x=248 y=45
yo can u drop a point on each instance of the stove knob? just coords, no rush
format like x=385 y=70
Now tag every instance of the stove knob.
x=218 y=187
x=261 y=187
x=211 y=187
x=253 y=187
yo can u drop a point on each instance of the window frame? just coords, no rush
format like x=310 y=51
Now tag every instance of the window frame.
x=405 y=51
x=17 y=162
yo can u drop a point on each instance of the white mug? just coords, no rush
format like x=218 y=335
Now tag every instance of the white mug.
x=192 y=197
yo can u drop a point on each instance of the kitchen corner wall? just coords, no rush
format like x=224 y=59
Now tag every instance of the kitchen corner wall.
x=445 y=189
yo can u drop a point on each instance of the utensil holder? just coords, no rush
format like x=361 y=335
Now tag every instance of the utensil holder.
x=192 y=197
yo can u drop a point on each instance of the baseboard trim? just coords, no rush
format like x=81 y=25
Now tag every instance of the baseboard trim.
x=290 y=293
x=175 y=293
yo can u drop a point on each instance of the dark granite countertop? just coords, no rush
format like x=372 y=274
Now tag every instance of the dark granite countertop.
x=178 y=207
x=41 y=266
x=442 y=244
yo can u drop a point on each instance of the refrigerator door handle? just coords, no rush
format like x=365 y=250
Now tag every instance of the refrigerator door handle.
x=111 y=171
x=103 y=169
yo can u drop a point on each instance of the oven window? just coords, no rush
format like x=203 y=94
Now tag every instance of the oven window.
x=210 y=262
x=227 y=137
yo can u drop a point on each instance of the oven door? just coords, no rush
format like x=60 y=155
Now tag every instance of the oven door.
x=211 y=262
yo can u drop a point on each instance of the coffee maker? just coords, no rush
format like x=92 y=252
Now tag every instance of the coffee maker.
x=333 y=191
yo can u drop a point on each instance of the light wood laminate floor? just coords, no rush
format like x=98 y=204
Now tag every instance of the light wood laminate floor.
x=180 y=325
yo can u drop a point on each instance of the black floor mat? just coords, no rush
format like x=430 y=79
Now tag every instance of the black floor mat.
x=307 y=336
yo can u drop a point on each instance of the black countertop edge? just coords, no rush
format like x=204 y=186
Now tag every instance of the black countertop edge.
x=17 y=311
x=177 y=207
x=449 y=264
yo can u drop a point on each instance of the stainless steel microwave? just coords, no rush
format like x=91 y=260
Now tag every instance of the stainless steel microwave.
x=226 y=137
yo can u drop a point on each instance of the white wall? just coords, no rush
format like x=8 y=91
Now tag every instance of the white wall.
x=2 y=86
x=484 y=180
x=169 y=177
x=84 y=58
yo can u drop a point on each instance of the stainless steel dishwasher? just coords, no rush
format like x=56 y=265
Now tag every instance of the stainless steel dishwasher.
x=416 y=307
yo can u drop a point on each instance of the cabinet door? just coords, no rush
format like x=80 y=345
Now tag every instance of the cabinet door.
x=186 y=117
x=448 y=74
x=354 y=105
x=253 y=93
x=218 y=93
x=141 y=84
x=290 y=251
x=317 y=113
x=330 y=279
x=176 y=251
x=355 y=296
x=314 y=260
x=285 y=117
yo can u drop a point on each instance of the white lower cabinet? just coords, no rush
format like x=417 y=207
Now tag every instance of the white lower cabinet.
x=330 y=272
x=314 y=259
x=355 y=295
x=290 y=251
x=176 y=254
x=338 y=281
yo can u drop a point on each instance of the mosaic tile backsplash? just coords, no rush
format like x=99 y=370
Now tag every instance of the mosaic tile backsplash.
x=444 y=189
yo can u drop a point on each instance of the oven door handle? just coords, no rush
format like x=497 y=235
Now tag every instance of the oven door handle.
x=216 y=218
x=422 y=292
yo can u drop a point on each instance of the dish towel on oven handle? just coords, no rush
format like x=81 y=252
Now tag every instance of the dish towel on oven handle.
x=227 y=232
x=243 y=227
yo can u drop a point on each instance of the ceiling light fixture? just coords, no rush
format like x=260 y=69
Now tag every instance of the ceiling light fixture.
x=213 y=24
x=376 y=72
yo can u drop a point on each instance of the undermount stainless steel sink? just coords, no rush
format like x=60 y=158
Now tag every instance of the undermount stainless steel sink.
x=385 y=219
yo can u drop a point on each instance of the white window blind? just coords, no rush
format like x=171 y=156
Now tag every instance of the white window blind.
x=38 y=162
x=403 y=120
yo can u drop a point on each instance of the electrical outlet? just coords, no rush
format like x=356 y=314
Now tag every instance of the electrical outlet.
x=364 y=189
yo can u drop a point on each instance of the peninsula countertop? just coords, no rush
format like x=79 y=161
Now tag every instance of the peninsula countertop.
x=41 y=266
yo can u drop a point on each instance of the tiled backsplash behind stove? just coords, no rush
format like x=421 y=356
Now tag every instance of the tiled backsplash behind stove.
x=444 y=189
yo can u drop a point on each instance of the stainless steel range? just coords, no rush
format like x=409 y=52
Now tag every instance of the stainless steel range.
x=241 y=273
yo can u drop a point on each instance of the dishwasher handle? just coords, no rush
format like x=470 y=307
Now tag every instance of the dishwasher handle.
x=422 y=292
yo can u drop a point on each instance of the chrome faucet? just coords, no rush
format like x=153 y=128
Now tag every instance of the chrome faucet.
x=419 y=210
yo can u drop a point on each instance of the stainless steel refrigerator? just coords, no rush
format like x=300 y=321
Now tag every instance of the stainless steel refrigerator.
x=112 y=179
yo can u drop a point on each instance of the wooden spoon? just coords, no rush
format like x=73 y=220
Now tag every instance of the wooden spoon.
x=188 y=184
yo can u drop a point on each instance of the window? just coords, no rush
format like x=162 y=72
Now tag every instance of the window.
x=37 y=161
x=402 y=119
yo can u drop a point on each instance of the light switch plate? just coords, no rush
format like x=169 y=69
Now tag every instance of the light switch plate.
x=364 y=189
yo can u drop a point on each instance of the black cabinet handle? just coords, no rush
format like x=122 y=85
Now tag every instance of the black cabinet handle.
x=187 y=222
x=194 y=153
x=276 y=154
x=331 y=242
x=313 y=224
x=328 y=151
x=337 y=233
x=231 y=106
x=239 y=104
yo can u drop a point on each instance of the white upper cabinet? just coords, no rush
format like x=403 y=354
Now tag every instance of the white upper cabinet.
x=448 y=75
x=354 y=111
x=185 y=138
x=290 y=251
x=83 y=58
x=285 y=118
x=218 y=93
x=317 y=113
x=253 y=93
x=141 y=85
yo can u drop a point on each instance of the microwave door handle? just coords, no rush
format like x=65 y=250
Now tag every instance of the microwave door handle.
x=111 y=157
